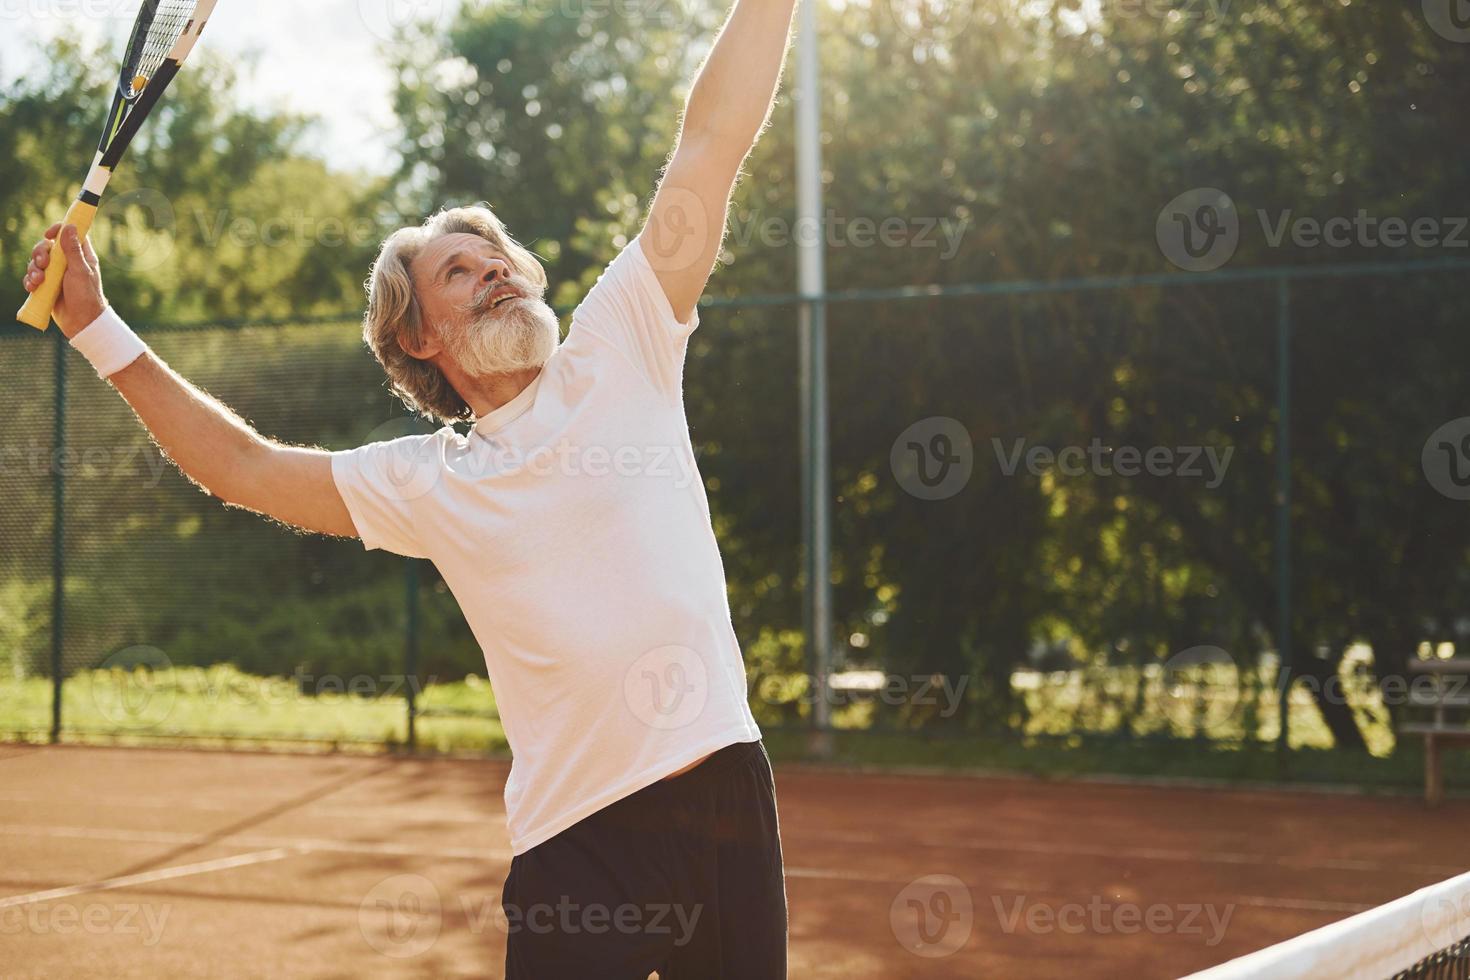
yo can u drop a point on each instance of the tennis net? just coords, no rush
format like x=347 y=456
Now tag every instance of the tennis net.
x=1422 y=935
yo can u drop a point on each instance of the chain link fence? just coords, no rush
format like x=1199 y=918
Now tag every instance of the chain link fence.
x=1059 y=513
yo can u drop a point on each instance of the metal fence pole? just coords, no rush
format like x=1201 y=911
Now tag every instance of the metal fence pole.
x=812 y=285
x=1283 y=509
x=411 y=647
x=58 y=530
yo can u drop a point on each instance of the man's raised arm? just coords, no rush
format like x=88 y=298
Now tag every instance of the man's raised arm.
x=213 y=446
x=727 y=108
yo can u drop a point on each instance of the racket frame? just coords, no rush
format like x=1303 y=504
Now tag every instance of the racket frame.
x=123 y=124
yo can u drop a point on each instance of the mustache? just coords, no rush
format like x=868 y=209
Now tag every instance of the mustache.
x=480 y=302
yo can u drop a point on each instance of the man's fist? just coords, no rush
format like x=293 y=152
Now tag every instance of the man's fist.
x=81 y=300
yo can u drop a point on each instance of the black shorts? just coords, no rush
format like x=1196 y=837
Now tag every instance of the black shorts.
x=682 y=878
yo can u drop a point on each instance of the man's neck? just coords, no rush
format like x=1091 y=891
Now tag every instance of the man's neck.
x=486 y=394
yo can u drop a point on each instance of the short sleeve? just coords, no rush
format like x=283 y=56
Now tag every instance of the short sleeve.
x=628 y=309
x=385 y=484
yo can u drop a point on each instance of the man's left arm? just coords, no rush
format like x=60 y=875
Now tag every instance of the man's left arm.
x=727 y=108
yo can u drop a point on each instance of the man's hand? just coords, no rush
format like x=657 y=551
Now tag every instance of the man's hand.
x=81 y=300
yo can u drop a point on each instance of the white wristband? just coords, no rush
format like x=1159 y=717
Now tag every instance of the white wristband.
x=109 y=344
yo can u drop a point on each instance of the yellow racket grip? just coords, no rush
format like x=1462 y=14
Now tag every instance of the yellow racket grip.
x=37 y=309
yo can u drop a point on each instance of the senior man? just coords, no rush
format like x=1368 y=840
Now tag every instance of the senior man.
x=574 y=532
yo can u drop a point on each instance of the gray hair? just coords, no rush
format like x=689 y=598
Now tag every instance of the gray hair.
x=394 y=319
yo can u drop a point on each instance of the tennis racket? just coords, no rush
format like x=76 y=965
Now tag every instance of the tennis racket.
x=165 y=33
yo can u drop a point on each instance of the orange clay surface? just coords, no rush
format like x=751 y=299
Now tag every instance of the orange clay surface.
x=171 y=863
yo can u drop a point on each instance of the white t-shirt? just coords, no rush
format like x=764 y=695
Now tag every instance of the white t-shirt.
x=573 y=528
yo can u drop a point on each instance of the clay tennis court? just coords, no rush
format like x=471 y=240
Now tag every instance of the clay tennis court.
x=164 y=863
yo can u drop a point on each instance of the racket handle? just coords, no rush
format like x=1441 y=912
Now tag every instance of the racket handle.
x=37 y=309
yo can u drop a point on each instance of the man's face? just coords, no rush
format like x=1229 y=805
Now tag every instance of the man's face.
x=478 y=311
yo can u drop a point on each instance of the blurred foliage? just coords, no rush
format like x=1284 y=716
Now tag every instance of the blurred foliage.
x=216 y=213
x=1033 y=140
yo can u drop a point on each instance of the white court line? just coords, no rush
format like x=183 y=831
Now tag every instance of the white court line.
x=862 y=877
x=149 y=877
x=301 y=845
x=886 y=841
x=415 y=814
x=826 y=836
x=288 y=846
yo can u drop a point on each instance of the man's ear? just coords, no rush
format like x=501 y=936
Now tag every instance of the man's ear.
x=428 y=344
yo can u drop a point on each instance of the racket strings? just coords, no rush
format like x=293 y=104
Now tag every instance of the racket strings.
x=160 y=25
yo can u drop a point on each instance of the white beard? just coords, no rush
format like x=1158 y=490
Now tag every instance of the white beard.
x=521 y=335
